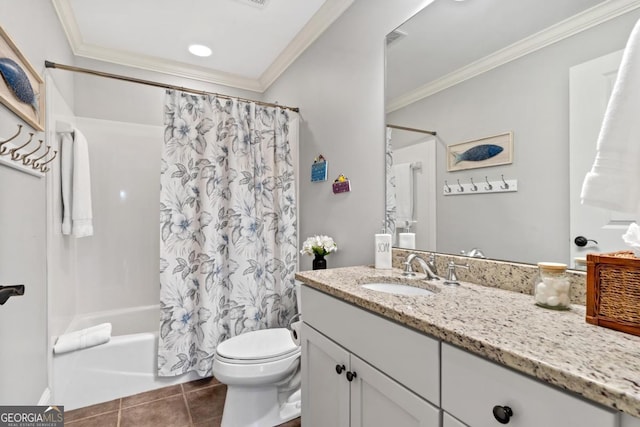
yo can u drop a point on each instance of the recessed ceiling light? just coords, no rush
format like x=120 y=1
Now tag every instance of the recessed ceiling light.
x=199 y=50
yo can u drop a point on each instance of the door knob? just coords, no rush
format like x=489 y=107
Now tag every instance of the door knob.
x=582 y=241
x=502 y=414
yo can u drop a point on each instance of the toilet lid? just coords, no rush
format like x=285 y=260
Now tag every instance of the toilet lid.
x=262 y=344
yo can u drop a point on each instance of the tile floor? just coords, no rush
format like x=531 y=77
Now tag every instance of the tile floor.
x=195 y=404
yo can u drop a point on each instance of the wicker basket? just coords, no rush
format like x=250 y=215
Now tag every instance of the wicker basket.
x=613 y=291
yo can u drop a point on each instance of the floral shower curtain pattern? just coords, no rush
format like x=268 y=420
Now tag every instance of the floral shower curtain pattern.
x=228 y=242
x=390 y=205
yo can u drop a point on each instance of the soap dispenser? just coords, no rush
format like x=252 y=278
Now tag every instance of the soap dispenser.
x=383 y=249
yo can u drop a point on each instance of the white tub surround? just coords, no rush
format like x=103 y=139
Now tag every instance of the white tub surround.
x=559 y=348
x=124 y=366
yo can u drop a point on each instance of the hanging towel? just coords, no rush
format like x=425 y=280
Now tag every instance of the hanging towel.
x=66 y=173
x=77 y=217
x=614 y=180
x=404 y=194
x=83 y=338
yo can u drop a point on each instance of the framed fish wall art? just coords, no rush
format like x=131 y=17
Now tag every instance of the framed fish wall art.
x=480 y=153
x=21 y=88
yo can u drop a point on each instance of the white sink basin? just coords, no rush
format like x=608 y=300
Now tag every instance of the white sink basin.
x=397 y=289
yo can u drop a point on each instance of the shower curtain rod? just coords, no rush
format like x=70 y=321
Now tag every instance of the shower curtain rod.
x=430 y=132
x=49 y=64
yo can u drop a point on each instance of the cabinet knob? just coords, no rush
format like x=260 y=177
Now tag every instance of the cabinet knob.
x=502 y=413
x=351 y=376
x=340 y=369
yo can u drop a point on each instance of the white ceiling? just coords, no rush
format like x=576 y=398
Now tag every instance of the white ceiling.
x=450 y=41
x=252 y=44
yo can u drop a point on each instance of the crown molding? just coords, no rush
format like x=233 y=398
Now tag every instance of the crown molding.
x=320 y=21
x=553 y=34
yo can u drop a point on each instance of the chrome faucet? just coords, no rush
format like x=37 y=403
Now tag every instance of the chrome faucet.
x=428 y=267
x=473 y=253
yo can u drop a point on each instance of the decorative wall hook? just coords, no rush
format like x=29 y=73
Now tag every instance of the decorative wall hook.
x=473 y=186
x=4 y=149
x=14 y=151
x=461 y=189
x=447 y=189
x=42 y=166
x=35 y=161
x=25 y=160
x=488 y=187
x=505 y=185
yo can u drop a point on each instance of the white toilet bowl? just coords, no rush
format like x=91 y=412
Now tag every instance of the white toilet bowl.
x=262 y=372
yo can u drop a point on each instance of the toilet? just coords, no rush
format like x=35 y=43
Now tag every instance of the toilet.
x=262 y=372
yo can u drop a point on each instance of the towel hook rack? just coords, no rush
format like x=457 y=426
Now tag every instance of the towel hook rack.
x=461 y=189
x=35 y=161
x=14 y=151
x=447 y=189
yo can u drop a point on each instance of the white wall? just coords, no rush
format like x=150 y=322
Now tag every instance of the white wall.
x=338 y=83
x=530 y=97
x=33 y=26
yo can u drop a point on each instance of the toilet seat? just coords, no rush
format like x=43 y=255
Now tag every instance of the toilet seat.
x=262 y=346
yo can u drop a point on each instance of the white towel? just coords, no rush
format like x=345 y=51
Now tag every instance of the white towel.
x=83 y=338
x=614 y=180
x=404 y=194
x=77 y=218
x=66 y=174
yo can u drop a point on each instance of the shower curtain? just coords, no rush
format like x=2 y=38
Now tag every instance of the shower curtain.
x=227 y=226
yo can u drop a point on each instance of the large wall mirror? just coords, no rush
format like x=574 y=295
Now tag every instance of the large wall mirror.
x=473 y=69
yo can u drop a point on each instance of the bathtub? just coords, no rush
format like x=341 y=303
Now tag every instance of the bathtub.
x=124 y=366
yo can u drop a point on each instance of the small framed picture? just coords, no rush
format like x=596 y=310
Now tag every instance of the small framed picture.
x=480 y=153
x=21 y=88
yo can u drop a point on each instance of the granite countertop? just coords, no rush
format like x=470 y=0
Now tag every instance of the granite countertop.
x=558 y=347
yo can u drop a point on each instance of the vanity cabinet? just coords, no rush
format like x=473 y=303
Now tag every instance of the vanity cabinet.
x=364 y=375
x=474 y=388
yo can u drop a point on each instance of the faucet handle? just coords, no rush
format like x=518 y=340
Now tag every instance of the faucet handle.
x=452 y=279
x=408 y=270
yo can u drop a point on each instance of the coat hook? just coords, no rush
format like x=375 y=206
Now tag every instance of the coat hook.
x=488 y=187
x=448 y=189
x=473 y=186
x=4 y=150
x=35 y=164
x=461 y=189
x=26 y=161
x=505 y=186
x=44 y=168
x=14 y=151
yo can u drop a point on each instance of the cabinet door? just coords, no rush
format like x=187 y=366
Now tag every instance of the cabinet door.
x=378 y=401
x=325 y=392
x=472 y=387
x=449 y=421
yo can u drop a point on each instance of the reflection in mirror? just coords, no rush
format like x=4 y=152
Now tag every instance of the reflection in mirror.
x=469 y=70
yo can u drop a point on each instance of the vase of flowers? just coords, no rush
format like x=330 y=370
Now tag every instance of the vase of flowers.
x=319 y=246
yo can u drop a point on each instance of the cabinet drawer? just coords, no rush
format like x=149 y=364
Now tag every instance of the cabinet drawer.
x=472 y=386
x=409 y=357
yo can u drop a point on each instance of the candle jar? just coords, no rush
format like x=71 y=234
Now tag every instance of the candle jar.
x=552 y=287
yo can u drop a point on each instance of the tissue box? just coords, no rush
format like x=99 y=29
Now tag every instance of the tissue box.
x=613 y=291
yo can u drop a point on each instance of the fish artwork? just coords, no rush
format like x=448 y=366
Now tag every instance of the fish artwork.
x=478 y=153
x=18 y=82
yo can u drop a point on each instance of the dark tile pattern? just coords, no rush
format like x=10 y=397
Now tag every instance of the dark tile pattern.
x=195 y=404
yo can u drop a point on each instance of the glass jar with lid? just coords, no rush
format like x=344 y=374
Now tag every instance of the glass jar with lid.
x=552 y=287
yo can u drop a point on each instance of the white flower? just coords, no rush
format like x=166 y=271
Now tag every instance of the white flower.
x=319 y=245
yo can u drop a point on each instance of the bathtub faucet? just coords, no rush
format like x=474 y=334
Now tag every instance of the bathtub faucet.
x=9 y=291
